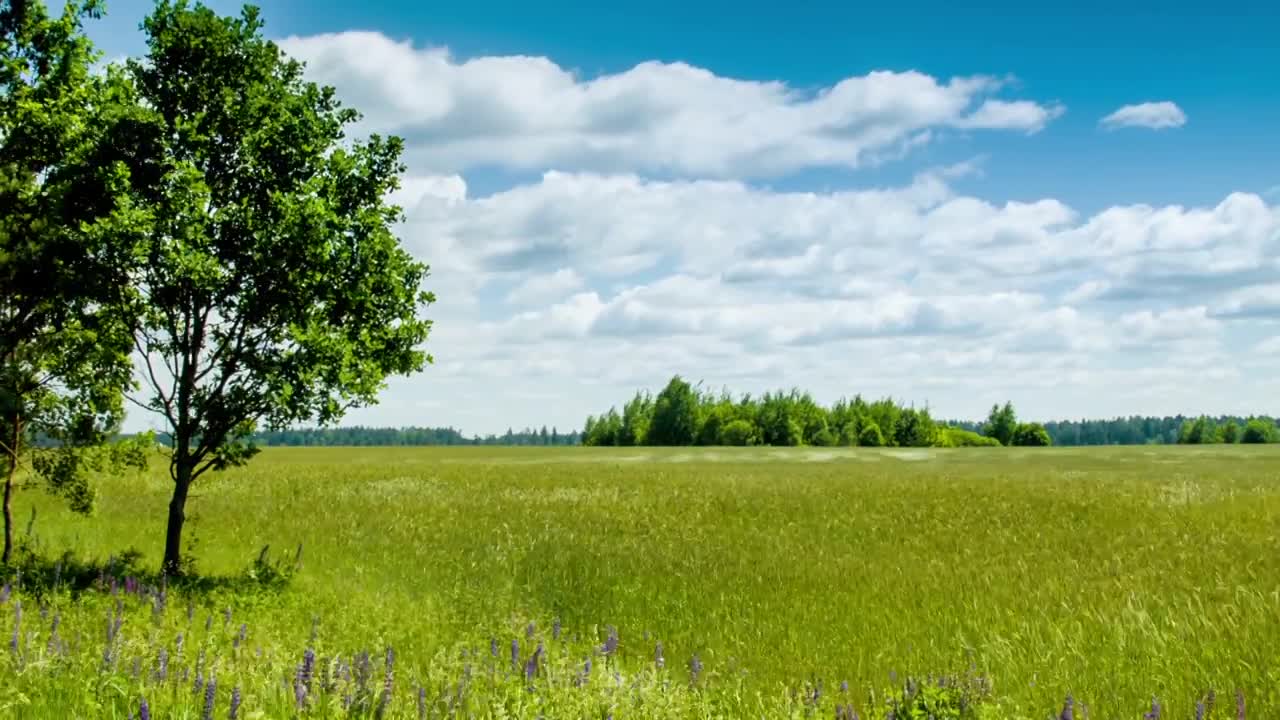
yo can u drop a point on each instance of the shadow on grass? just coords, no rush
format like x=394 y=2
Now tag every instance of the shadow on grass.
x=39 y=575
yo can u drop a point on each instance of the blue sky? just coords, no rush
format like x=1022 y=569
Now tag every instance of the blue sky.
x=1117 y=269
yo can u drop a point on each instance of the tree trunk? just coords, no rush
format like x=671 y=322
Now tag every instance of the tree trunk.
x=8 y=490
x=172 y=565
x=8 y=512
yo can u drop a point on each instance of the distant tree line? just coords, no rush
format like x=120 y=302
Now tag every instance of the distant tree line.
x=410 y=436
x=683 y=415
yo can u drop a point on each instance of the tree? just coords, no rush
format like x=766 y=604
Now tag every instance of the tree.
x=870 y=436
x=1229 y=433
x=738 y=433
x=1258 y=431
x=1197 y=432
x=1002 y=423
x=1031 y=435
x=276 y=290
x=65 y=232
x=915 y=428
x=675 y=415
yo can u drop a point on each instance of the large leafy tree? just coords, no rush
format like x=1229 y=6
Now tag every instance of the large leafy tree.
x=675 y=415
x=1002 y=423
x=276 y=291
x=66 y=236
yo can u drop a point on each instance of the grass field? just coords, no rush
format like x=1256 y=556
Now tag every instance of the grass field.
x=1114 y=574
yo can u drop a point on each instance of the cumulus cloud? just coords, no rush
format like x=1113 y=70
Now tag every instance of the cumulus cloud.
x=1153 y=115
x=597 y=284
x=673 y=118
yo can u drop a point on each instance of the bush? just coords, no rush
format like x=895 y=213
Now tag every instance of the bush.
x=871 y=435
x=1258 y=431
x=1031 y=435
x=738 y=433
x=959 y=437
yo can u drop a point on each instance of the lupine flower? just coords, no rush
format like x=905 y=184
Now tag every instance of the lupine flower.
x=299 y=690
x=199 y=683
x=515 y=652
x=226 y=618
x=244 y=631
x=235 y=703
x=530 y=630
x=307 y=670
x=17 y=626
x=493 y=646
x=1155 y=711
x=844 y=686
x=1240 y=705
x=162 y=665
x=144 y=710
x=611 y=642
x=390 y=677
x=555 y=629
x=1209 y=701
x=137 y=667
x=4 y=593
x=210 y=696
x=531 y=667
x=1200 y=710
x=177 y=645
x=695 y=668
x=658 y=660
x=422 y=703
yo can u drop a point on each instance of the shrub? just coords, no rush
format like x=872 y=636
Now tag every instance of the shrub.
x=959 y=437
x=1258 y=431
x=738 y=433
x=1031 y=435
x=871 y=435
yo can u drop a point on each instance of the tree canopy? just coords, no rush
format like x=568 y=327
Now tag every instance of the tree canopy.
x=275 y=289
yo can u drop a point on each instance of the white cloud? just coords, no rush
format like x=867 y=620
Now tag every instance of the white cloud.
x=530 y=113
x=1153 y=115
x=591 y=286
x=538 y=288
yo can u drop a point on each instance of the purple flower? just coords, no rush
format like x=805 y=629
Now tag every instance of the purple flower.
x=1069 y=709
x=198 y=686
x=244 y=631
x=307 y=669
x=611 y=642
x=844 y=686
x=531 y=667
x=1240 y=705
x=235 y=703
x=530 y=631
x=1155 y=711
x=515 y=652
x=695 y=668
x=422 y=703
x=493 y=646
x=144 y=710
x=555 y=629
x=4 y=592
x=210 y=696
x=162 y=665
x=17 y=626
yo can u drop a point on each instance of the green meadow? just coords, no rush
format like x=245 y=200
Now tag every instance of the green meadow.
x=1112 y=574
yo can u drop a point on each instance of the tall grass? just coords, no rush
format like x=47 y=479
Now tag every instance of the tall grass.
x=1111 y=574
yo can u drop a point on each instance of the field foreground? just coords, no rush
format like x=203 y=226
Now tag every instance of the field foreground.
x=1113 y=574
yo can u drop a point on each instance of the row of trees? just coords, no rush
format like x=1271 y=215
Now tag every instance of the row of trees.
x=1132 y=430
x=683 y=415
x=203 y=210
x=1205 y=430
x=359 y=436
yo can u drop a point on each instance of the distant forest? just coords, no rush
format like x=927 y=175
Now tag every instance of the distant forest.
x=406 y=436
x=1134 y=430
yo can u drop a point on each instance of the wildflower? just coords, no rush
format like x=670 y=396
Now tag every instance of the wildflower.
x=555 y=629
x=307 y=669
x=695 y=669
x=530 y=630
x=611 y=642
x=658 y=660
x=844 y=686
x=493 y=646
x=244 y=631
x=531 y=667
x=1155 y=711
x=210 y=696
x=235 y=703
x=199 y=683
x=1068 y=710
x=1240 y=705
x=515 y=653
x=422 y=703
x=144 y=710
x=162 y=665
